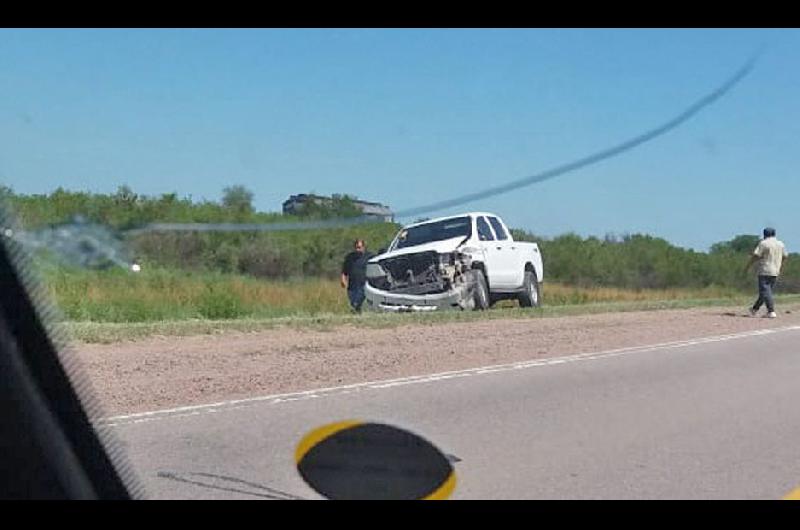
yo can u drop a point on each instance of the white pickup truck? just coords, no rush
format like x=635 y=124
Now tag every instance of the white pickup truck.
x=467 y=261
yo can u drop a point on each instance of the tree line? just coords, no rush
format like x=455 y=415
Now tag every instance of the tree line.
x=635 y=261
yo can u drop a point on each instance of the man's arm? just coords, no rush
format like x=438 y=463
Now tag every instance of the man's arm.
x=755 y=256
x=345 y=270
x=753 y=259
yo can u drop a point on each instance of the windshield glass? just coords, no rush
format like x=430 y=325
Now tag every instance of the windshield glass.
x=437 y=231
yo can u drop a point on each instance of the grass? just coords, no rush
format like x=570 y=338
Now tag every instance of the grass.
x=108 y=306
x=104 y=332
x=159 y=294
x=558 y=294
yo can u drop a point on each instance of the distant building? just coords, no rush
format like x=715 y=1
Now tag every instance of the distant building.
x=294 y=204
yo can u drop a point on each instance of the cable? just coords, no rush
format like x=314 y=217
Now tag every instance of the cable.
x=605 y=154
x=93 y=248
x=591 y=159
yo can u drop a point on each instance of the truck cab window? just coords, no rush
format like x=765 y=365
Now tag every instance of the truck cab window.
x=498 y=229
x=484 y=232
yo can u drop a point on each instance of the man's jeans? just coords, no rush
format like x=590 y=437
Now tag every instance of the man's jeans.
x=765 y=286
x=356 y=295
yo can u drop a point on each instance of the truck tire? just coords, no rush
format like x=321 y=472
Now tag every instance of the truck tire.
x=493 y=299
x=480 y=290
x=531 y=296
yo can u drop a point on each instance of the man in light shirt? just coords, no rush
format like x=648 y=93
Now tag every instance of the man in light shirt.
x=770 y=254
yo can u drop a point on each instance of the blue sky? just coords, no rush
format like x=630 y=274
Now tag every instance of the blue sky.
x=410 y=117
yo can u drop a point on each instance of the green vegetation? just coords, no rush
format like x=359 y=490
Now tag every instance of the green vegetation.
x=337 y=207
x=645 y=262
x=291 y=274
x=125 y=209
x=275 y=255
x=162 y=294
x=108 y=332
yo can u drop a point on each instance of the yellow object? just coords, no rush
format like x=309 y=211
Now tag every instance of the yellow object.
x=317 y=435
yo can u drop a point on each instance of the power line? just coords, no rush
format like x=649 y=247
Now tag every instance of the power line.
x=591 y=159
x=595 y=158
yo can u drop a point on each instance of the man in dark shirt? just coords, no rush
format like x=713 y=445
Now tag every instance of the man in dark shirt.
x=354 y=274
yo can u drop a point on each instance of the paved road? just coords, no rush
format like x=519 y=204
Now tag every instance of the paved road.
x=707 y=419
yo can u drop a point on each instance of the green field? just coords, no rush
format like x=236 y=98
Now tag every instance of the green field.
x=200 y=282
x=109 y=332
x=105 y=306
x=160 y=295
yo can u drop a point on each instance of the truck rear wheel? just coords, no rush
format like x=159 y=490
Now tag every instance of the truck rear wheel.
x=531 y=294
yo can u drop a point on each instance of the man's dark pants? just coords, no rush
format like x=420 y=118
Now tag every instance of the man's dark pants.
x=356 y=295
x=765 y=286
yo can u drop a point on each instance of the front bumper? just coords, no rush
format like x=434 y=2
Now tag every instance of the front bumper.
x=378 y=300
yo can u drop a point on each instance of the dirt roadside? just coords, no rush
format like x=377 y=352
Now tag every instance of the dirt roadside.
x=162 y=372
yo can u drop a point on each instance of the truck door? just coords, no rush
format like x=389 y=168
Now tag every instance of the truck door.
x=495 y=255
x=513 y=259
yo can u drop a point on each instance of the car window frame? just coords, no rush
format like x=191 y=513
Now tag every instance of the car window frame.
x=491 y=218
x=478 y=219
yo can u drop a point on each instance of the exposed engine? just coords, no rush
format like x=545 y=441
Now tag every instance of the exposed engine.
x=420 y=273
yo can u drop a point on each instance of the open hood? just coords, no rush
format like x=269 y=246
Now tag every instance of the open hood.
x=443 y=246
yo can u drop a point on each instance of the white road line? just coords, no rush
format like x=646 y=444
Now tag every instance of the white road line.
x=275 y=399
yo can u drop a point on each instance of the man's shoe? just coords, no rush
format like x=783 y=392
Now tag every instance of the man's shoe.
x=772 y=314
x=753 y=312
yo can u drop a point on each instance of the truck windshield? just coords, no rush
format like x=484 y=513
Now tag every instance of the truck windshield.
x=436 y=231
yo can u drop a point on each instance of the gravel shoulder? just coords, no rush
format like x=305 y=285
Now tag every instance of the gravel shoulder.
x=162 y=372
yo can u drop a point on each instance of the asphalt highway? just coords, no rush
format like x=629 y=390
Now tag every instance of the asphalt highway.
x=713 y=418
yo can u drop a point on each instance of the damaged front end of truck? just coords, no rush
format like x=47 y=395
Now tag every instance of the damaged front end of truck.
x=421 y=281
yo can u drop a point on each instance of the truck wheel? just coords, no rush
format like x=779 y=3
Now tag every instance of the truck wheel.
x=480 y=290
x=493 y=300
x=531 y=294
